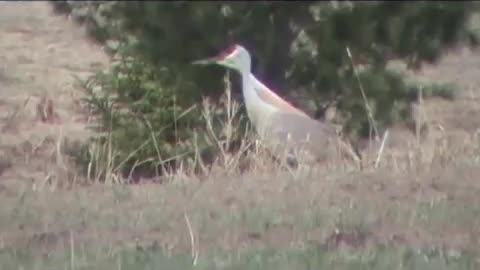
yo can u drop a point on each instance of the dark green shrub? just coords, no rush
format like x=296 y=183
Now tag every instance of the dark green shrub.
x=297 y=47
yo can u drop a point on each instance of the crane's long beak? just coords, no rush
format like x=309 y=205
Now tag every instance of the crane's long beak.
x=207 y=61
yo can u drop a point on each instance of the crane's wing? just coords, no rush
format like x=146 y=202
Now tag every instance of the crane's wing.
x=292 y=132
x=300 y=127
x=318 y=138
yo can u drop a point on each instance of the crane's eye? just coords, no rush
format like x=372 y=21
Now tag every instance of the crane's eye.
x=230 y=59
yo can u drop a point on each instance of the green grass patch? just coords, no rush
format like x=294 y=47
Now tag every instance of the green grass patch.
x=296 y=257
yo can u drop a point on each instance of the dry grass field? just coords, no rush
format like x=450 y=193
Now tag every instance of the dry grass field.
x=418 y=209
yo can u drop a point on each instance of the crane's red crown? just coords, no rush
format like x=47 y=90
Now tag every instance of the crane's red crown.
x=226 y=52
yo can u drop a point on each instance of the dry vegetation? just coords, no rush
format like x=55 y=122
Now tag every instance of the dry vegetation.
x=420 y=193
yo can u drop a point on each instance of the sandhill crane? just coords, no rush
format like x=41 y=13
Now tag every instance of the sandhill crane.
x=284 y=129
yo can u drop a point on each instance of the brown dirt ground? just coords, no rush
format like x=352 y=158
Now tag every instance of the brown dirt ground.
x=41 y=52
x=39 y=100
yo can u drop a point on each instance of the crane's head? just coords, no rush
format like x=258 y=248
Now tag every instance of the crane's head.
x=235 y=57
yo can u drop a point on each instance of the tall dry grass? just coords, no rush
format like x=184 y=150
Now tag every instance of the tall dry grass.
x=418 y=151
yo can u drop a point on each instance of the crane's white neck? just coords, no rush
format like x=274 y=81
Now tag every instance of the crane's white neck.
x=257 y=110
x=249 y=94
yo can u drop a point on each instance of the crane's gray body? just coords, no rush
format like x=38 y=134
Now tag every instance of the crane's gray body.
x=287 y=131
x=300 y=137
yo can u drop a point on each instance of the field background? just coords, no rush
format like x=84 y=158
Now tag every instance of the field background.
x=419 y=209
